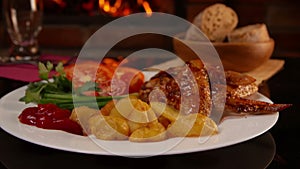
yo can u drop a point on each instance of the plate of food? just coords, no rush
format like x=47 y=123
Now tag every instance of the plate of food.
x=256 y=115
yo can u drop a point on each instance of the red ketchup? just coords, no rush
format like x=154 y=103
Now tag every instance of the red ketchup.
x=50 y=116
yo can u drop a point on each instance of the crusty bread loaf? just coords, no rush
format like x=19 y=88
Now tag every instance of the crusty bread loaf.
x=216 y=21
x=250 y=33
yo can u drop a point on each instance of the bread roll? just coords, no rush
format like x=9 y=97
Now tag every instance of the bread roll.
x=216 y=21
x=250 y=33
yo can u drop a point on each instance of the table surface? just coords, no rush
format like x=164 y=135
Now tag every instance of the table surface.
x=277 y=148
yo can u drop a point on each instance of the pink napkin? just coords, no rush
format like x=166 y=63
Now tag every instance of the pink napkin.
x=28 y=72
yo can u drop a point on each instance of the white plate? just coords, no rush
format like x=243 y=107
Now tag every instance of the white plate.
x=231 y=131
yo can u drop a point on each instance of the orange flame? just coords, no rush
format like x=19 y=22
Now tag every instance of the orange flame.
x=147 y=8
x=108 y=8
x=120 y=8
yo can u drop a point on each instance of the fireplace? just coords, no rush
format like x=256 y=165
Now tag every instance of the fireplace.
x=280 y=16
x=66 y=18
x=69 y=23
x=95 y=11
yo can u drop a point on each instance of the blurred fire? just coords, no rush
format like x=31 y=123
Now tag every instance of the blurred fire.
x=122 y=7
x=60 y=3
x=114 y=8
x=146 y=6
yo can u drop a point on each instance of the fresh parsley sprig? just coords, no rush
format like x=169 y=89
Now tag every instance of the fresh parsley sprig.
x=49 y=84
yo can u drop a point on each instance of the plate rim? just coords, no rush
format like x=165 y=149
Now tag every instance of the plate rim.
x=14 y=93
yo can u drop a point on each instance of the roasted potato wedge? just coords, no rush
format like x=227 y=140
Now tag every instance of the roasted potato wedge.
x=105 y=110
x=192 y=125
x=134 y=109
x=154 y=131
x=136 y=112
x=81 y=115
x=108 y=127
x=161 y=109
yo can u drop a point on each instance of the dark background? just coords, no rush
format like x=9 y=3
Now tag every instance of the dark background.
x=70 y=24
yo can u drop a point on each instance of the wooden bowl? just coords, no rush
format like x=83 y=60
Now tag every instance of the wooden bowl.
x=240 y=57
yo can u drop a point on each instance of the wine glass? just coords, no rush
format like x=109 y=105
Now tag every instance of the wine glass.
x=23 y=20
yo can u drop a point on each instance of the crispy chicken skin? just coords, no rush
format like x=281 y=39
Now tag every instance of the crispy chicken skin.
x=183 y=96
x=192 y=88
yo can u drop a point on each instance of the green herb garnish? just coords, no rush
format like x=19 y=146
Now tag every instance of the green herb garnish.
x=57 y=89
